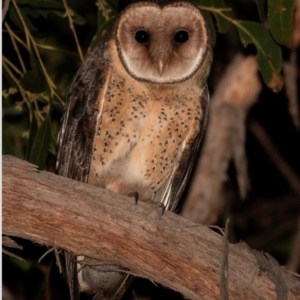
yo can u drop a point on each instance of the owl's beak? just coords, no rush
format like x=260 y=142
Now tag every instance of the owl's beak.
x=161 y=67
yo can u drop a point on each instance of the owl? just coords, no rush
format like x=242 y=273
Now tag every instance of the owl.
x=135 y=116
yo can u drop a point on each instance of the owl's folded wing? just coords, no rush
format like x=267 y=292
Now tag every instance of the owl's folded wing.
x=170 y=194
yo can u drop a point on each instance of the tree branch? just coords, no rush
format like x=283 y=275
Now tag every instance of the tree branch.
x=173 y=251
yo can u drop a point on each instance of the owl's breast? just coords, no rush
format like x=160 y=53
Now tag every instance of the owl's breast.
x=140 y=136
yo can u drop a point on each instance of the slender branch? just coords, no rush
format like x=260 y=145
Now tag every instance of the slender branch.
x=13 y=37
x=68 y=12
x=20 y=88
x=14 y=67
x=107 y=227
x=30 y=41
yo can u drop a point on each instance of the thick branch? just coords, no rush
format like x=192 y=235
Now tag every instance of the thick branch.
x=84 y=219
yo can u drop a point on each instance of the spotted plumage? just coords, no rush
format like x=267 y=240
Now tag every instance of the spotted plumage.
x=135 y=114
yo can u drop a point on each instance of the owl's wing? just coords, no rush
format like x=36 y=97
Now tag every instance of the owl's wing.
x=169 y=195
x=78 y=125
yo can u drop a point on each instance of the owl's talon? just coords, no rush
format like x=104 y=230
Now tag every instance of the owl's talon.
x=135 y=196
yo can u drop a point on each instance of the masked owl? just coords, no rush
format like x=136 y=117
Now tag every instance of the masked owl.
x=135 y=116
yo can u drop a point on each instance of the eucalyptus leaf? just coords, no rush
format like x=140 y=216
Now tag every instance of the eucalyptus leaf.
x=101 y=33
x=40 y=148
x=42 y=4
x=269 y=56
x=280 y=16
x=261 y=7
x=13 y=16
x=32 y=134
x=34 y=82
x=222 y=23
x=78 y=19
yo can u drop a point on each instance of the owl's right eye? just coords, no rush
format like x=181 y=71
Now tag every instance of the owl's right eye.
x=142 y=36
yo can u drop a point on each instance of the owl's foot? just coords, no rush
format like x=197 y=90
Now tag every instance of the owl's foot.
x=135 y=196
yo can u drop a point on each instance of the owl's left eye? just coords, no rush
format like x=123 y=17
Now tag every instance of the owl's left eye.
x=142 y=36
x=181 y=36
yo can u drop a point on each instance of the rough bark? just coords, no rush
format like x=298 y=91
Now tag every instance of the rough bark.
x=55 y=211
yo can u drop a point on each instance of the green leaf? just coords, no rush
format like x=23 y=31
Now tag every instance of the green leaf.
x=280 y=16
x=106 y=12
x=34 y=82
x=77 y=18
x=13 y=16
x=32 y=134
x=269 y=57
x=211 y=26
x=37 y=8
x=42 y=4
x=222 y=24
x=40 y=148
x=261 y=7
x=101 y=33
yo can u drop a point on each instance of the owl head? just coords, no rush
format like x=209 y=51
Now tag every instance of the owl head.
x=163 y=43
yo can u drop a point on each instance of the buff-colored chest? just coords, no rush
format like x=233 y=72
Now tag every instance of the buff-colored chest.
x=141 y=132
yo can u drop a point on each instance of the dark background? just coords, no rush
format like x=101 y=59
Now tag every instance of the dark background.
x=266 y=220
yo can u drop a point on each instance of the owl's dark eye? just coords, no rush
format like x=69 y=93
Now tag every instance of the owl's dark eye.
x=142 y=36
x=181 y=36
